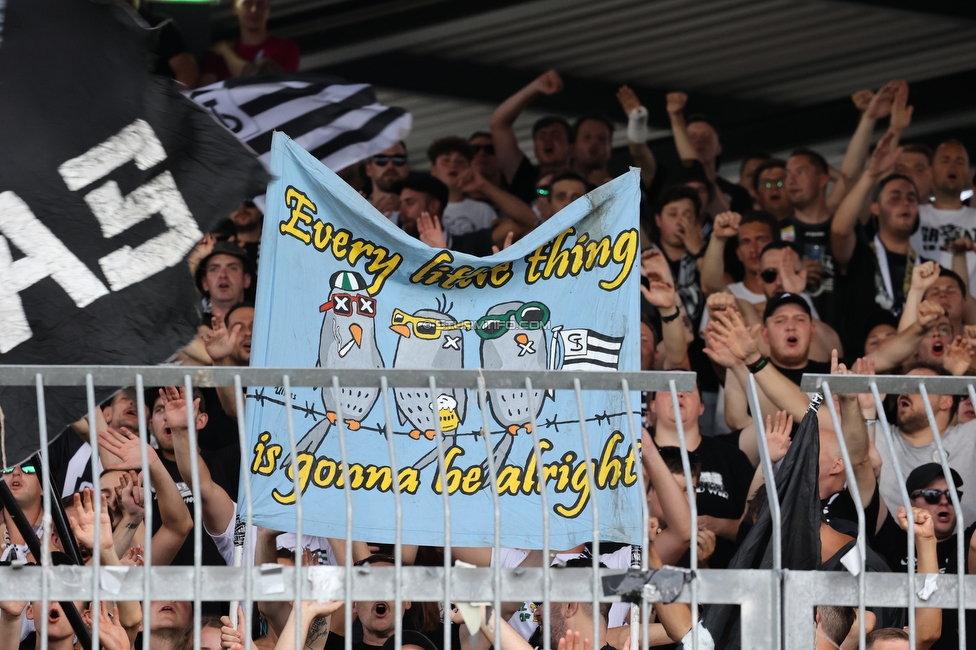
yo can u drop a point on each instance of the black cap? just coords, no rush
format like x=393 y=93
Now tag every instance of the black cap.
x=925 y=474
x=422 y=182
x=222 y=248
x=410 y=637
x=786 y=298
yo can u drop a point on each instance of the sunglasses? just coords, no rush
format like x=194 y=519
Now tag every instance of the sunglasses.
x=383 y=161
x=427 y=328
x=933 y=497
x=530 y=316
x=342 y=304
x=770 y=184
x=489 y=149
x=26 y=469
x=769 y=275
x=542 y=191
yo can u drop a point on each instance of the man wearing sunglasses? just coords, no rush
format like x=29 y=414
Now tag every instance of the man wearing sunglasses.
x=385 y=170
x=929 y=491
x=24 y=483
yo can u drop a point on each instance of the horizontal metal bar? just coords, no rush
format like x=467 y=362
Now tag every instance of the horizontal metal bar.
x=371 y=583
x=302 y=377
x=426 y=584
x=894 y=384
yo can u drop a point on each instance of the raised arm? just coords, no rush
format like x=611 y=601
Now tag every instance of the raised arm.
x=896 y=350
x=10 y=623
x=842 y=236
x=502 y=120
x=726 y=226
x=673 y=542
x=173 y=513
x=662 y=295
x=219 y=342
x=860 y=144
x=856 y=432
x=743 y=342
x=218 y=508
x=638 y=134
x=928 y=621
x=312 y=610
x=923 y=276
x=679 y=128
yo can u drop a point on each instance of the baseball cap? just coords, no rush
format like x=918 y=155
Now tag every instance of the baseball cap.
x=925 y=474
x=422 y=182
x=222 y=248
x=785 y=298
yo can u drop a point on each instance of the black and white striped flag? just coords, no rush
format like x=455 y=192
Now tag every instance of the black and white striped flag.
x=339 y=123
x=584 y=349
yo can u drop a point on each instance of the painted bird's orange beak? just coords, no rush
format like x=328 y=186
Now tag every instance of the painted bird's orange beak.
x=521 y=339
x=402 y=330
x=357 y=334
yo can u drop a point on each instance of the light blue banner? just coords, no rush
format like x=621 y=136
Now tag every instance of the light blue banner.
x=342 y=287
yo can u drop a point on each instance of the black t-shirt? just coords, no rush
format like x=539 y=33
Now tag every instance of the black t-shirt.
x=523 y=182
x=886 y=616
x=218 y=470
x=723 y=488
x=338 y=642
x=477 y=243
x=862 y=295
x=738 y=197
x=70 y=459
x=169 y=43
x=841 y=513
x=807 y=236
x=812 y=367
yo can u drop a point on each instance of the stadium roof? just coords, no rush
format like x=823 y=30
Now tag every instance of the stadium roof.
x=770 y=73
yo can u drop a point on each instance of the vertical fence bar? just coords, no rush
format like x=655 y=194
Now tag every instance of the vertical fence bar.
x=544 y=501
x=442 y=468
x=858 y=505
x=772 y=497
x=496 y=503
x=299 y=514
x=147 y=513
x=97 y=503
x=347 y=494
x=693 y=505
x=398 y=518
x=645 y=519
x=907 y=501
x=591 y=486
x=248 y=511
x=45 y=558
x=960 y=524
x=198 y=525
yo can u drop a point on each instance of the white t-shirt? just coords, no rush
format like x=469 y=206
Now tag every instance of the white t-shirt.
x=960 y=445
x=937 y=228
x=467 y=216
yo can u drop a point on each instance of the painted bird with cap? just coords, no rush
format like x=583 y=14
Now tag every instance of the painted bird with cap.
x=347 y=340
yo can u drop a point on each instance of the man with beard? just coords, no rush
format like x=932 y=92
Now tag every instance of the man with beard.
x=385 y=170
x=946 y=219
x=914 y=444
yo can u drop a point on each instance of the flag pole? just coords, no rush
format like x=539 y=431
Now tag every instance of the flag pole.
x=27 y=532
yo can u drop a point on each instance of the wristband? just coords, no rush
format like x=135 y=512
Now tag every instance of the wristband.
x=132 y=526
x=758 y=365
x=674 y=316
x=637 y=131
x=871 y=422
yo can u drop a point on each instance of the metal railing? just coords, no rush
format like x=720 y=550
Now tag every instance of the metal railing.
x=776 y=606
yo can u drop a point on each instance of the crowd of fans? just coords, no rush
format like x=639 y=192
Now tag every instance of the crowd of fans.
x=798 y=268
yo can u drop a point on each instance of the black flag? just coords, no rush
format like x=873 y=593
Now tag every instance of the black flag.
x=799 y=495
x=108 y=178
